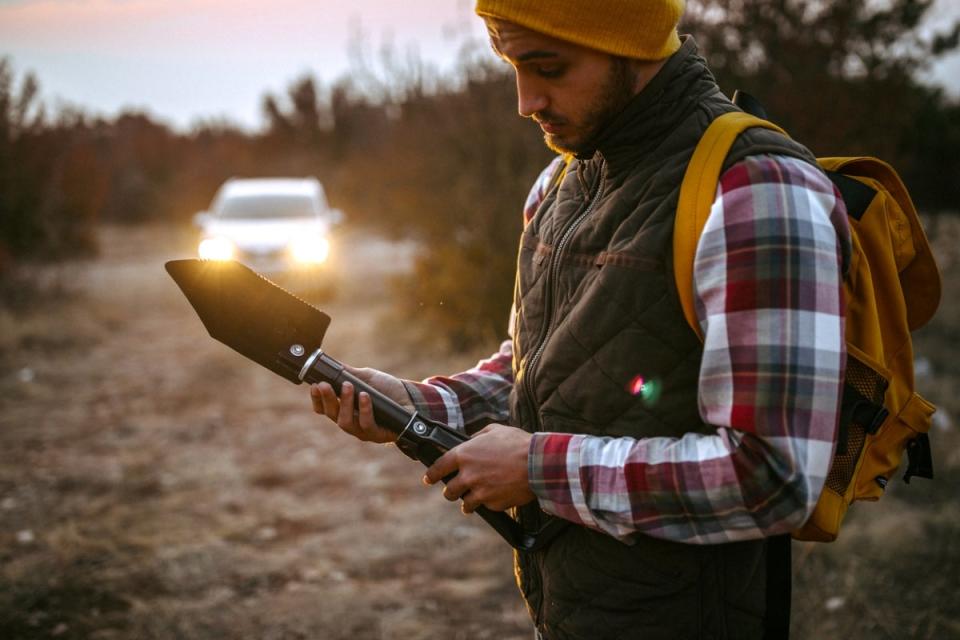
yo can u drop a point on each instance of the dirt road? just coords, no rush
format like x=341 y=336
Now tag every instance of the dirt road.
x=153 y=484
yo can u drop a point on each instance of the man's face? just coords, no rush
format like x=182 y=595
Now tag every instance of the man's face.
x=569 y=90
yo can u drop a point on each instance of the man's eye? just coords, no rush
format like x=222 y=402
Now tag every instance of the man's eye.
x=552 y=71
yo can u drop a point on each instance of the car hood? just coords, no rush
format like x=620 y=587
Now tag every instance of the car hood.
x=265 y=235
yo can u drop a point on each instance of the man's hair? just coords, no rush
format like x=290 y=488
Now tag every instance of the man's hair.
x=639 y=29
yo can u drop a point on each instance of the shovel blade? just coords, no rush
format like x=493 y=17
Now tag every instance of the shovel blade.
x=247 y=312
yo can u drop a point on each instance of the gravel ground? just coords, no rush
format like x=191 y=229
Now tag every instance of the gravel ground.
x=153 y=484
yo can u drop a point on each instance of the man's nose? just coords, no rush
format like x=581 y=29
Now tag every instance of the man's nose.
x=530 y=97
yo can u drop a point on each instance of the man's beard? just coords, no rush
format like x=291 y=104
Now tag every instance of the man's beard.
x=613 y=96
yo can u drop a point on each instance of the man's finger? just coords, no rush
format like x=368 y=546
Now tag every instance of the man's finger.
x=325 y=399
x=345 y=418
x=470 y=503
x=455 y=489
x=444 y=466
x=316 y=399
x=328 y=400
x=365 y=413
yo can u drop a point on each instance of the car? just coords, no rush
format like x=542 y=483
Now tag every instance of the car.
x=279 y=227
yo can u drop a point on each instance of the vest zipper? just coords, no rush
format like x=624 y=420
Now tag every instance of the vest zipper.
x=552 y=290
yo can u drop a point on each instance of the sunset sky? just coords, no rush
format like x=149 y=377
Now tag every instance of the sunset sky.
x=185 y=60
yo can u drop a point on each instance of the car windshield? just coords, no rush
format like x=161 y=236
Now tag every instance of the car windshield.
x=266 y=206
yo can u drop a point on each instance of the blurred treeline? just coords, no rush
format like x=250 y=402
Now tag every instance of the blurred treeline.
x=446 y=160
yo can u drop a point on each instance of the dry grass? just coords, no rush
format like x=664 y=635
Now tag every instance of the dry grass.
x=155 y=485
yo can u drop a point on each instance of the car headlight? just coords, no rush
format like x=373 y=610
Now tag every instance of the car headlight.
x=310 y=250
x=216 y=249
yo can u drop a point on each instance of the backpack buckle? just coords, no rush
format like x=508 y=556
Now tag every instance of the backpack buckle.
x=856 y=408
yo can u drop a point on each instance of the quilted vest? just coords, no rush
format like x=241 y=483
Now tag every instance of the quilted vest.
x=601 y=347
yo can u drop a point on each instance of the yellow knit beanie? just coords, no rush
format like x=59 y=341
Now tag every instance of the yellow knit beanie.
x=643 y=29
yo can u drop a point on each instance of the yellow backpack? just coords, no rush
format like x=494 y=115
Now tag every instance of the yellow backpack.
x=892 y=288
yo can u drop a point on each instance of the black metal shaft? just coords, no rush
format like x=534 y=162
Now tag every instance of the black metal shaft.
x=421 y=439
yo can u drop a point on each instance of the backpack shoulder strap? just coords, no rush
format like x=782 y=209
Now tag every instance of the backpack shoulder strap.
x=697 y=192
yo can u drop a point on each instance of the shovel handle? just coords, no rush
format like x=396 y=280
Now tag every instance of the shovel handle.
x=421 y=439
x=387 y=413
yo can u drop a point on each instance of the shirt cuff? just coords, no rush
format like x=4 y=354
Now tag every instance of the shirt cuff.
x=554 y=477
x=435 y=403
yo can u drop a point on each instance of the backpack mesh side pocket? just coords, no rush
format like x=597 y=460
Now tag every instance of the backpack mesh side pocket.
x=861 y=414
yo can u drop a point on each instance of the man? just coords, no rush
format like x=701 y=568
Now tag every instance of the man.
x=675 y=460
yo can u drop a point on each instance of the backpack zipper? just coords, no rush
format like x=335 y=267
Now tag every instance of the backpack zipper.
x=552 y=290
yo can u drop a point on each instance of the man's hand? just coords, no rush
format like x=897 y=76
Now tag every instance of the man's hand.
x=491 y=469
x=356 y=417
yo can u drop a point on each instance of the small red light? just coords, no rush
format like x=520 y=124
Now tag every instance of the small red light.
x=635 y=386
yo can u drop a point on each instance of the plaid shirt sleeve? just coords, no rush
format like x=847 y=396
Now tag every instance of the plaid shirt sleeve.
x=471 y=400
x=768 y=286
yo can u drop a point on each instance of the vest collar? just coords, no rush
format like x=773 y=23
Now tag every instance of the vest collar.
x=654 y=112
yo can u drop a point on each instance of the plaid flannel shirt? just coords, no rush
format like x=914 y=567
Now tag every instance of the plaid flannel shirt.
x=768 y=291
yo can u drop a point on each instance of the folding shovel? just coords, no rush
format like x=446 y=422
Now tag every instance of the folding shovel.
x=274 y=328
